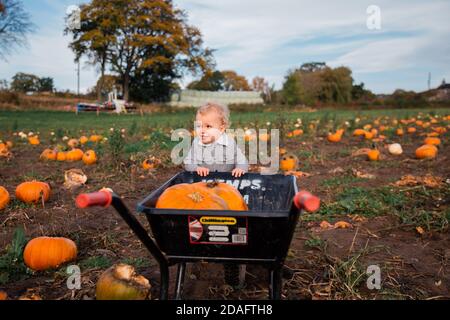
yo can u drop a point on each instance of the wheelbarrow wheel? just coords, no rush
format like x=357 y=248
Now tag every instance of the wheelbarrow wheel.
x=235 y=275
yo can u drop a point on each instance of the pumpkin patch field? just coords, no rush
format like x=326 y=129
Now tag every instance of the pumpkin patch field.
x=383 y=177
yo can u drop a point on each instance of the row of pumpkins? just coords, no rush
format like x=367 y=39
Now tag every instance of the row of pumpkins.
x=95 y=138
x=89 y=157
x=120 y=282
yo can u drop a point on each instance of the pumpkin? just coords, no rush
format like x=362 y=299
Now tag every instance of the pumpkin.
x=395 y=149
x=373 y=155
x=3 y=295
x=61 y=156
x=412 y=130
x=336 y=137
x=440 y=130
x=400 y=132
x=3 y=146
x=433 y=134
x=427 y=151
x=367 y=127
x=4 y=198
x=433 y=141
x=34 y=140
x=33 y=192
x=89 y=157
x=288 y=162
x=359 y=132
x=4 y=151
x=95 y=138
x=73 y=143
x=74 y=155
x=48 y=154
x=44 y=253
x=150 y=164
x=264 y=137
x=84 y=140
x=228 y=193
x=190 y=196
x=297 y=132
x=120 y=282
x=369 y=135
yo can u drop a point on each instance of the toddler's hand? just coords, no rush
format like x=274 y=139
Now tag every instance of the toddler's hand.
x=237 y=173
x=202 y=172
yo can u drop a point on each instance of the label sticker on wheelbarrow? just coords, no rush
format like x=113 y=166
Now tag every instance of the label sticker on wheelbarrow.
x=218 y=230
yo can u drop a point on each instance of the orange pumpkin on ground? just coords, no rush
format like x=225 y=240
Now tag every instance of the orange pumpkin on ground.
x=359 y=132
x=34 y=141
x=288 y=162
x=373 y=155
x=190 y=196
x=150 y=164
x=61 y=156
x=89 y=157
x=44 y=253
x=336 y=137
x=412 y=130
x=48 y=154
x=84 y=140
x=74 y=155
x=228 y=193
x=427 y=151
x=3 y=295
x=433 y=141
x=33 y=192
x=4 y=198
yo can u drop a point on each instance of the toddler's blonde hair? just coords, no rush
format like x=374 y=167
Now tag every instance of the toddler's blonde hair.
x=221 y=109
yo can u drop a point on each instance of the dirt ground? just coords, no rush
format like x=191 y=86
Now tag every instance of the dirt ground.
x=413 y=266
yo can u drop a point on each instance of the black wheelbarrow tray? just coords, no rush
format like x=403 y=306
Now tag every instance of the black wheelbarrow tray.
x=261 y=235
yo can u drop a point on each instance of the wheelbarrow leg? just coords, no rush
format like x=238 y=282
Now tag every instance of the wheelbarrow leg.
x=275 y=284
x=164 y=288
x=181 y=271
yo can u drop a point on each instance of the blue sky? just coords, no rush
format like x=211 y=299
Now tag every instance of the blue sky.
x=267 y=38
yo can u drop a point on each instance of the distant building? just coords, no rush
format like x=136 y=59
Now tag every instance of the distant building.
x=196 y=98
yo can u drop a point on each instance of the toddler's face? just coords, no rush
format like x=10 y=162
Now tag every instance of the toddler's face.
x=209 y=126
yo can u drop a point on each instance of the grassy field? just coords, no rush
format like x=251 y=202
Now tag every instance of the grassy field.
x=70 y=122
x=396 y=210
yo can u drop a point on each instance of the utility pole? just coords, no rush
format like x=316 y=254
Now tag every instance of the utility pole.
x=429 y=80
x=78 y=79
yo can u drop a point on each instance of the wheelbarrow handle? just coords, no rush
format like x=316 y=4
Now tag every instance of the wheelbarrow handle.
x=305 y=200
x=101 y=198
x=106 y=198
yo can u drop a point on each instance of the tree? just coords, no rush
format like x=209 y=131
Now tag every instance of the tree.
x=234 y=82
x=45 y=84
x=336 y=85
x=312 y=67
x=94 y=37
x=135 y=35
x=292 y=91
x=23 y=82
x=15 y=24
x=3 y=84
x=259 y=84
x=211 y=81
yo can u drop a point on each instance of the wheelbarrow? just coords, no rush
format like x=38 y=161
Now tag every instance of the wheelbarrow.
x=260 y=236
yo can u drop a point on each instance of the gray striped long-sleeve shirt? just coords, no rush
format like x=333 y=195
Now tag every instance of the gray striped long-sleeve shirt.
x=223 y=155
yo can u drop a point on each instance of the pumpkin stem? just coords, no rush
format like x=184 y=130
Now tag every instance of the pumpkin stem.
x=196 y=197
x=212 y=184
